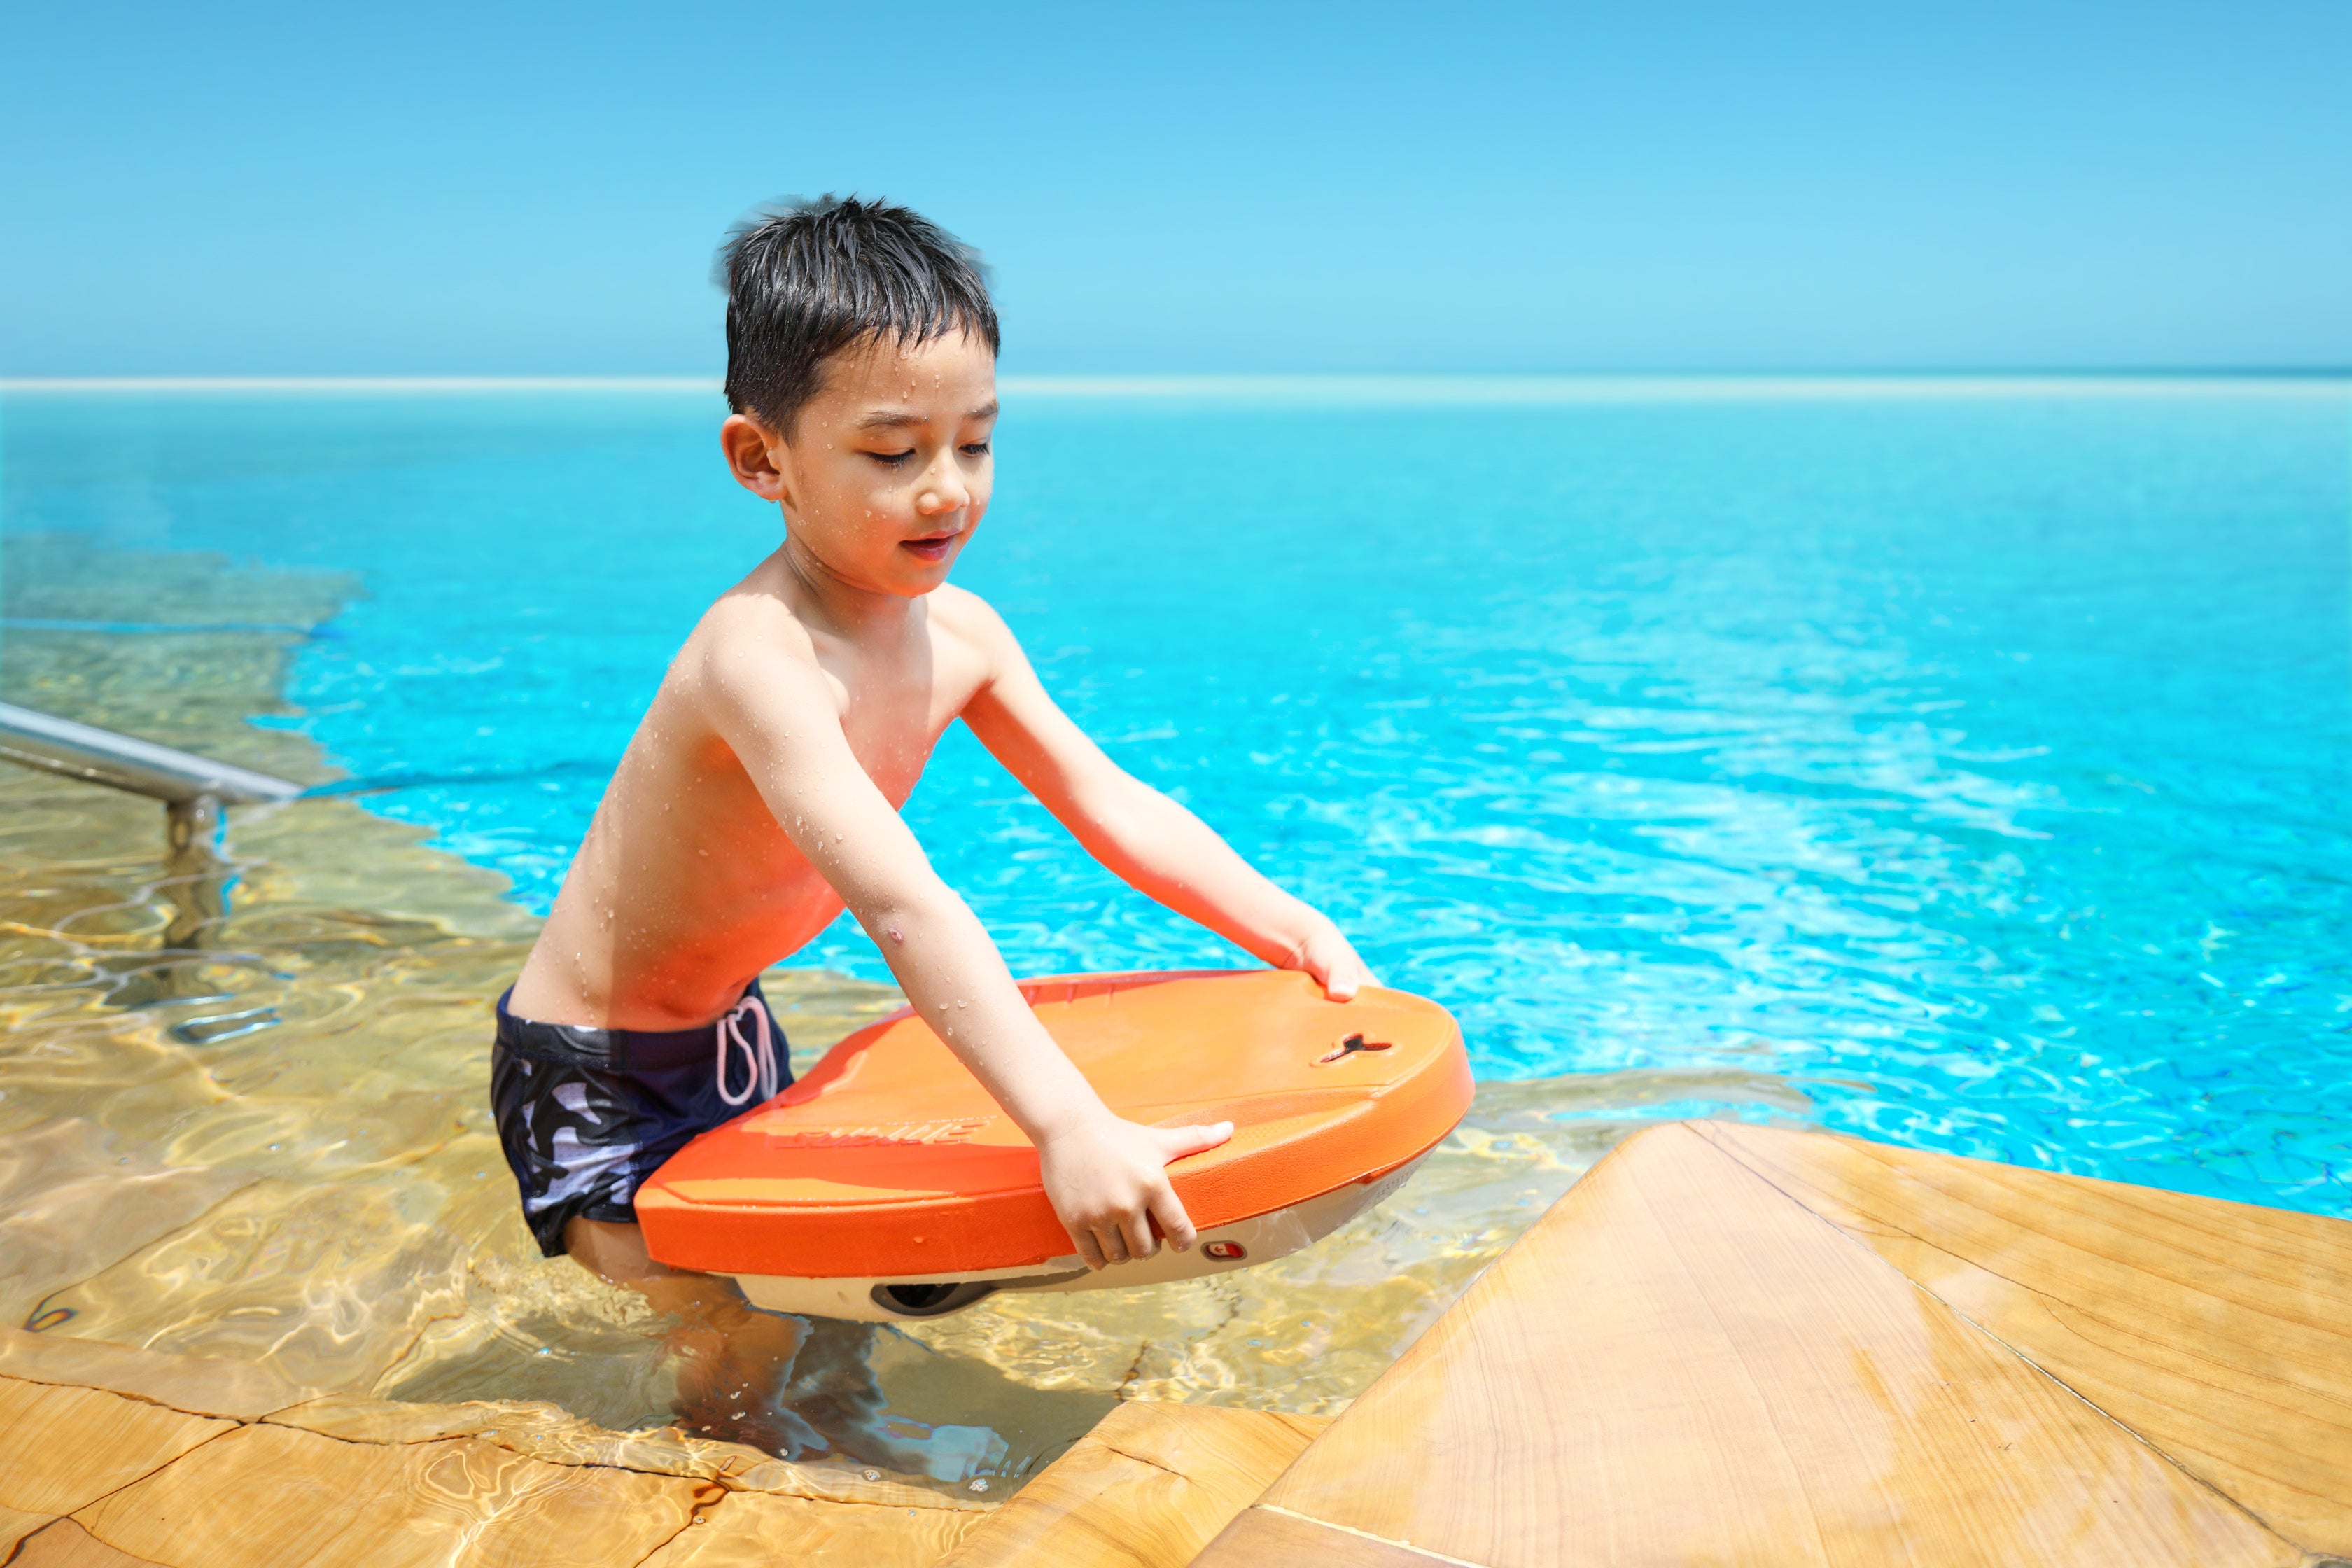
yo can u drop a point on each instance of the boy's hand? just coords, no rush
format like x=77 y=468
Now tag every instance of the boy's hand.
x=1326 y=955
x=1108 y=1181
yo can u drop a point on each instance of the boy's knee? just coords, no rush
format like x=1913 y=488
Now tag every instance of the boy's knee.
x=611 y=1250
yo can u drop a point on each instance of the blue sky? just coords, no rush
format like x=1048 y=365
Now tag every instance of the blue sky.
x=255 y=188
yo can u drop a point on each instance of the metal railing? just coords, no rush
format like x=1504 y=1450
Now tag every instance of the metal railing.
x=192 y=789
x=126 y=762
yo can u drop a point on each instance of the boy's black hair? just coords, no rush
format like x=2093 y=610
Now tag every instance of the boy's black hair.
x=806 y=279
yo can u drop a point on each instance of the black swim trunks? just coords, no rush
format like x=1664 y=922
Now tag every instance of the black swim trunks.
x=586 y=1115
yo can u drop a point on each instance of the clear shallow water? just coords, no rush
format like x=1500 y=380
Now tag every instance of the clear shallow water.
x=1975 y=766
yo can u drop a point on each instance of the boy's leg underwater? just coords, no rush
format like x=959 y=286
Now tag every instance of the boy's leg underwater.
x=795 y=1387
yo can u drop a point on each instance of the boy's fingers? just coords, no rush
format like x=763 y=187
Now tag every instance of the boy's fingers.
x=1174 y=1223
x=1114 y=1243
x=1175 y=1142
x=1139 y=1242
x=1090 y=1251
x=1340 y=986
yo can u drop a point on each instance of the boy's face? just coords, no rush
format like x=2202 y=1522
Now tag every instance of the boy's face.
x=887 y=471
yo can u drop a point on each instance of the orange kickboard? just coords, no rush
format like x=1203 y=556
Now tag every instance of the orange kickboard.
x=890 y=1159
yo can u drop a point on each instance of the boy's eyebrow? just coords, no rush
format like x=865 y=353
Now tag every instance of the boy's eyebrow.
x=899 y=419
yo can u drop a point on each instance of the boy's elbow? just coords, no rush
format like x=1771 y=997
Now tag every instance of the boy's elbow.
x=896 y=914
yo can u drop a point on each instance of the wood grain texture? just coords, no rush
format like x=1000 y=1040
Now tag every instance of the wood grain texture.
x=544 y=1431
x=267 y=1496
x=1680 y=1364
x=755 y=1529
x=1148 y=1488
x=2219 y=1332
x=62 y=1449
x=307 y=1479
x=1270 y=1537
x=66 y=1544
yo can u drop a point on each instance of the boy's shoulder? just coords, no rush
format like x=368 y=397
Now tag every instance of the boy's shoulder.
x=961 y=612
x=755 y=623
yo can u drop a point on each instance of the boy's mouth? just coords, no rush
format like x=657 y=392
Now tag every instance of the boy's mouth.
x=935 y=548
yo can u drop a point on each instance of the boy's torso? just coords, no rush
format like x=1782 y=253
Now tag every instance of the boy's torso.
x=687 y=886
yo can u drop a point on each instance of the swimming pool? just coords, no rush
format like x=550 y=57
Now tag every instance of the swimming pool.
x=1973 y=763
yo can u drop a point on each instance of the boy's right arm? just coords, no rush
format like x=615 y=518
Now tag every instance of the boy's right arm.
x=1105 y=1177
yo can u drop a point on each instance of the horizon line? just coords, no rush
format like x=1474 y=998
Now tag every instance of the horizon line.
x=1437 y=386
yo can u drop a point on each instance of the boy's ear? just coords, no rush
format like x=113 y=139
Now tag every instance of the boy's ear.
x=752 y=457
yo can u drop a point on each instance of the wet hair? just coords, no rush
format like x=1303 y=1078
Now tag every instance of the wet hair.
x=807 y=279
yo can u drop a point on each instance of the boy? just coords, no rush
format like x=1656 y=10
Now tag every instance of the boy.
x=760 y=793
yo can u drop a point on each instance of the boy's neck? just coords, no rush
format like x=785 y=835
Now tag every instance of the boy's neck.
x=842 y=606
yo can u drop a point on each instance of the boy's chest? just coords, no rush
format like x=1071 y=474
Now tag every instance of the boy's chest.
x=894 y=712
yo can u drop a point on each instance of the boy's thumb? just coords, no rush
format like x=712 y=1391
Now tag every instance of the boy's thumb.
x=1179 y=1142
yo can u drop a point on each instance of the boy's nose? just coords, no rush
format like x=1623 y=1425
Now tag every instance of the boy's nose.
x=942 y=492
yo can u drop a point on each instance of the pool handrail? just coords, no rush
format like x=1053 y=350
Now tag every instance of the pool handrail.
x=99 y=756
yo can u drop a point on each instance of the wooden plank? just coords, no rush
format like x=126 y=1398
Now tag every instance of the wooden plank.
x=1270 y=1535
x=1148 y=1488
x=545 y=1431
x=265 y=1496
x=62 y=1449
x=2219 y=1332
x=64 y=1544
x=1681 y=1364
x=763 y=1529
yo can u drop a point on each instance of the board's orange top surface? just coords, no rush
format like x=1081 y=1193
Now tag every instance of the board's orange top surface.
x=889 y=1160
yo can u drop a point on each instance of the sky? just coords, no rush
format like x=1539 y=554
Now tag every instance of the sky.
x=253 y=188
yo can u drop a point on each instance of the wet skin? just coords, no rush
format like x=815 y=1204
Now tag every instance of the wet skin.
x=761 y=794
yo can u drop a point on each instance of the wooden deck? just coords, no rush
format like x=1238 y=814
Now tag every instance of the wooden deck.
x=1146 y=1489
x=115 y=1457
x=1726 y=1346
x=1734 y=1346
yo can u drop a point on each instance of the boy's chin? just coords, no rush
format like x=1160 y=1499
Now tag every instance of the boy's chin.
x=914 y=584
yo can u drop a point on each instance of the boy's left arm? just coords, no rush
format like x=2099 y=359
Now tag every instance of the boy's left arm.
x=1147 y=839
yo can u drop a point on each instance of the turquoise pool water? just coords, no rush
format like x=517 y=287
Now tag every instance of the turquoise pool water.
x=1977 y=763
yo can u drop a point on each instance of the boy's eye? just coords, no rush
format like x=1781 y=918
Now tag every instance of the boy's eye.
x=891 y=460
x=976 y=450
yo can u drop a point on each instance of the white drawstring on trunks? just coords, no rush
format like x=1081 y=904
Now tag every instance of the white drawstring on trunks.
x=760 y=1074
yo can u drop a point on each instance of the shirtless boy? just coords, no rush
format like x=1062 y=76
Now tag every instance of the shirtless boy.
x=762 y=792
